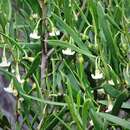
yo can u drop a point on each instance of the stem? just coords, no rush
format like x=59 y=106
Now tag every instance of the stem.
x=44 y=43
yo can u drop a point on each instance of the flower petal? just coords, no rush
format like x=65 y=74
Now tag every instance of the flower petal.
x=8 y=89
x=68 y=52
x=97 y=76
x=54 y=32
x=5 y=64
x=111 y=82
x=34 y=35
x=109 y=108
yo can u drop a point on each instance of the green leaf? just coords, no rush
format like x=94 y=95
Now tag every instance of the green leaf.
x=13 y=42
x=72 y=107
x=42 y=100
x=7 y=72
x=65 y=124
x=92 y=5
x=119 y=101
x=72 y=33
x=111 y=20
x=125 y=105
x=67 y=45
x=32 y=45
x=98 y=123
x=69 y=30
x=5 y=13
x=85 y=112
x=53 y=119
x=109 y=89
x=34 y=65
x=82 y=13
x=116 y=120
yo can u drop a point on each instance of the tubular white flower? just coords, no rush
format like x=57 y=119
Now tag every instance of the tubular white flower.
x=91 y=123
x=111 y=82
x=35 y=16
x=110 y=106
x=34 y=35
x=20 y=100
x=10 y=89
x=19 y=79
x=97 y=75
x=54 y=32
x=4 y=62
x=68 y=51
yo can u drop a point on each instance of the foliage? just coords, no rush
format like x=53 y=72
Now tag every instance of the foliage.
x=86 y=89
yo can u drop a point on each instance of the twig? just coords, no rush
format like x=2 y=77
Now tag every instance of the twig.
x=82 y=7
x=45 y=53
x=50 y=52
x=44 y=42
x=44 y=45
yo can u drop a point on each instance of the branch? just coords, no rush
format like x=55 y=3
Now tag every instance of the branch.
x=44 y=43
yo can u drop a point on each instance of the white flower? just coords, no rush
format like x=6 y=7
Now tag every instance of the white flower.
x=68 y=51
x=19 y=79
x=35 y=16
x=110 y=106
x=21 y=99
x=54 y=32
x=98 y=74
x=34 y=35
x=111 y=82
x=10 y=89
x=101 y=91
x=91 y=123
x=4 y=62
x=12 y=70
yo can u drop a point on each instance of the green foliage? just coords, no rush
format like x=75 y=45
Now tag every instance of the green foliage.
x=67 y=62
